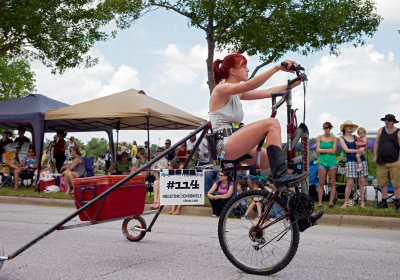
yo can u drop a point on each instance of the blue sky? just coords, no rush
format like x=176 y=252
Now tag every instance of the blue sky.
x=161 y=55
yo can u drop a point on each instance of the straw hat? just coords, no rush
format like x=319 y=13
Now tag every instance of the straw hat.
x=348 y=123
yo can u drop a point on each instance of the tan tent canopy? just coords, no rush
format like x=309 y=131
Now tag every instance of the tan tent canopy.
x=127 y=110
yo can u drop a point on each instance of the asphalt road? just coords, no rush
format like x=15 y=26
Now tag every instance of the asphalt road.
x=180 y=247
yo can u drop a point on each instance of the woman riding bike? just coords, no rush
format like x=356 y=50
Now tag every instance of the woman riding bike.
x=232 y=85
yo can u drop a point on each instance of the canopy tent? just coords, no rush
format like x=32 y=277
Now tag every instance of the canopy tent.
x=28 y=112
x=127 y=110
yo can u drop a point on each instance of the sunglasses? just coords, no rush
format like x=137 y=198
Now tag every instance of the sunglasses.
x=158 y=150
x=327 y=127
x=166 y=143
x=389 y=120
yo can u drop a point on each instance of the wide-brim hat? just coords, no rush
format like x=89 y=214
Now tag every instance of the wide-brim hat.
x=348 y=123
x=390 y=117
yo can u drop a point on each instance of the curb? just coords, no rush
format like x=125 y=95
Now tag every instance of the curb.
x=374 y=222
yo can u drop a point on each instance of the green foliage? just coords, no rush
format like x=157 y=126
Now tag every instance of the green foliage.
x=16 y=78
x=96 y=147
x=60 y=33
x=271 y=28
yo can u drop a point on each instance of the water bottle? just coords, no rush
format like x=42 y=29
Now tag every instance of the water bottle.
x=222 y=155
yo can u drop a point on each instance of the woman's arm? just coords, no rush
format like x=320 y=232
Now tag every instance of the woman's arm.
x=210 y=192
x=319 y=145
x=73 y=164
x=264 y=93
x=255 y=82
x=228 y=194
x=344 y=147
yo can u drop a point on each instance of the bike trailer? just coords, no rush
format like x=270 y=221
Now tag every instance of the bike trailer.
x=127 y=200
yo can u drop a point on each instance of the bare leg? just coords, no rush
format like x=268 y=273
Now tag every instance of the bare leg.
x=17 y=172
x=358 y=157
x=332 y=183
x=258 y=208
x=172 y=209
x=397 y=192
x=70 y=176
x=156 y=189
x=361 y=183
x=178 y=210
x=248 y=137
x=349 y=186
x=321 y=183
x=384 y=191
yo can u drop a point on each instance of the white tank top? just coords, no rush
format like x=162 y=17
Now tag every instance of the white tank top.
x=232 y=112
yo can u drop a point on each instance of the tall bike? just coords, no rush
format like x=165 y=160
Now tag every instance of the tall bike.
x=266 y=245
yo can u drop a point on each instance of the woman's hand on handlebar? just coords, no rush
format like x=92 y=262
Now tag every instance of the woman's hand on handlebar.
x=288 y=63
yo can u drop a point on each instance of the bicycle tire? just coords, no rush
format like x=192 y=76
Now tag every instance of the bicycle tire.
x=238 y=246
x=129 y=231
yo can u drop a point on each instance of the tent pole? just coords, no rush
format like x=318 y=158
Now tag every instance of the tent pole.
x=116 y=152
x=148 y=137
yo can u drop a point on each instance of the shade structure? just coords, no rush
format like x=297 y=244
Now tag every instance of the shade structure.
x=127 y=110
x=28 y=112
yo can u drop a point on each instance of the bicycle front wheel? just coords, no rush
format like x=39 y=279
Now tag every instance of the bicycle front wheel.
x=265 y=251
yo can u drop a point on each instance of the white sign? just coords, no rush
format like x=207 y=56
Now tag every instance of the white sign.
x=181 y=187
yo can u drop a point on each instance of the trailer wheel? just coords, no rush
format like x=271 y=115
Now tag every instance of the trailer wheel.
x=131 y=228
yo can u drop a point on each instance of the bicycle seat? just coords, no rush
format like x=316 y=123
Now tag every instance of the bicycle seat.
x=238 y=160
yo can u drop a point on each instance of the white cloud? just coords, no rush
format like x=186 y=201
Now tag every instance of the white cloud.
x=78 y=85
x=177 y=69
x=357 y=73
x=388 y=9
x=393 y=106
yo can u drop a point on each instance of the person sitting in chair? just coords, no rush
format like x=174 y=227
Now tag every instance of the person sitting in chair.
x=27 y=165
x=75 y=170
x=121 y=167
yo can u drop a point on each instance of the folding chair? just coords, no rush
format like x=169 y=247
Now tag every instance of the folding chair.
x=28 y=176
x=5 y=170
x=89 y=166
x=390 y=195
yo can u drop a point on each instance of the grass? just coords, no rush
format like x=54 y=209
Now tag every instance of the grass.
x=354 y=210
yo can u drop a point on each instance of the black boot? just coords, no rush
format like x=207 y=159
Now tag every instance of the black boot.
x=310 y=221
x=280 y=176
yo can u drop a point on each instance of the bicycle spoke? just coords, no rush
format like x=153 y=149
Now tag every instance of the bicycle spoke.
x=261 y=248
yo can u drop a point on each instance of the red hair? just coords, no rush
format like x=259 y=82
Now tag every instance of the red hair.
x=221 y=67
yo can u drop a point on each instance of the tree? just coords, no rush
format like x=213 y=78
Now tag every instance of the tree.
x=60 y=33
x=96 y=147
x=16 y=79
x=271 y=28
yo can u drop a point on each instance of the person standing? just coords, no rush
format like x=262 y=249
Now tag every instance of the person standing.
x=107 y=158
x=134 y=149
x=327 y=163
x=21 y=139
x=171 y=154
x=4 y=142
x=59 y=150
x=83 y=152
x=387 y=157
x=348 y=144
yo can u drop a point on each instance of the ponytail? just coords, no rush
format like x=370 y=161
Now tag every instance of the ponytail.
x=217 y=71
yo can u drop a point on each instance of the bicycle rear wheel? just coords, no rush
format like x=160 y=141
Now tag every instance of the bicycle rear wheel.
x=267 y=251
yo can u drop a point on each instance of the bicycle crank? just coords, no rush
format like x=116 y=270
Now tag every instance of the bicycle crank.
x=301 y=205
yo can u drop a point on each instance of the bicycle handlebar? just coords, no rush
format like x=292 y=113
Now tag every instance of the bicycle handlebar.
x=300 y=75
